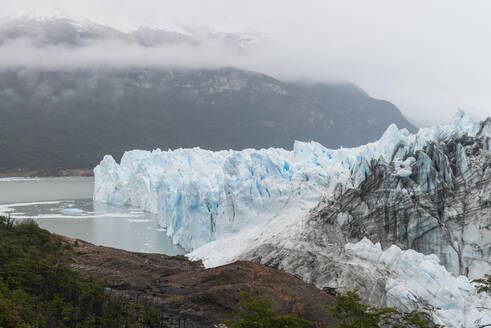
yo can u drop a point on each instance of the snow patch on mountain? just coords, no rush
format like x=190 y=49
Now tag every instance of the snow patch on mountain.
x=60 y=29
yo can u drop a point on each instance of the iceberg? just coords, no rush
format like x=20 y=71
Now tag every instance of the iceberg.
x=201 y=196
x=72 y=211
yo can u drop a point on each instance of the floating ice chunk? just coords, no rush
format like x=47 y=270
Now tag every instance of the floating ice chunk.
x=139 y=220
x=71 y=211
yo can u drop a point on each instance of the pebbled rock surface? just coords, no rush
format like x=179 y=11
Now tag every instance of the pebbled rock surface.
x=189 y=295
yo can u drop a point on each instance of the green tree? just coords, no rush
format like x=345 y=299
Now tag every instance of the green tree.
x=258 y=314
x=352 y=313
x=483 y=284
x=9 y=317
x=38 y=288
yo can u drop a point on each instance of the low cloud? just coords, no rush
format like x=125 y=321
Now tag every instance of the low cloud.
x=429 y=58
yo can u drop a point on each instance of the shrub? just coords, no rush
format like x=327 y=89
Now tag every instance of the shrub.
x=38 y=289
x=352 y=313
x=257 y=313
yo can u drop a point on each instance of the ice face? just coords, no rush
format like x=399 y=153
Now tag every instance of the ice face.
x=201 y=196
x=417 y=280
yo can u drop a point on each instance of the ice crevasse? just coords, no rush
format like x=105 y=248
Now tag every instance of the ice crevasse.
x=201 y=195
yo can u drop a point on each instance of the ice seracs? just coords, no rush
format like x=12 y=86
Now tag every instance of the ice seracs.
x=202 y=195
x=416 y=280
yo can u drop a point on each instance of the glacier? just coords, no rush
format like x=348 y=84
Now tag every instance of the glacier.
x=201 y=196
x=305 y=210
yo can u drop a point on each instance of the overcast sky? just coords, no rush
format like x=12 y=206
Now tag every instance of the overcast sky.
x=428 y=57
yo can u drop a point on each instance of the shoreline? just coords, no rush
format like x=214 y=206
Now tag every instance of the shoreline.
x=47 y=173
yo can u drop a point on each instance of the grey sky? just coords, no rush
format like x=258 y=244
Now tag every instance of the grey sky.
x=428 y=57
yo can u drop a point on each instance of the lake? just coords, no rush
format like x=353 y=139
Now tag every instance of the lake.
x=64 y=206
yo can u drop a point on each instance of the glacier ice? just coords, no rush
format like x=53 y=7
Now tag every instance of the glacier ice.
x=259 y=205
x=416 y=280
x=201 y=196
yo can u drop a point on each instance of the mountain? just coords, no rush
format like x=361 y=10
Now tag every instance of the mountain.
x=424 y=198
x=68 y=116
x=71 y=118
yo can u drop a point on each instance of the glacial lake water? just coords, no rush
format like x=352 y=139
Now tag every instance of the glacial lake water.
x=64 y=206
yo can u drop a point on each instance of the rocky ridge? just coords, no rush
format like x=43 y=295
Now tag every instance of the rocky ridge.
x=188 y=295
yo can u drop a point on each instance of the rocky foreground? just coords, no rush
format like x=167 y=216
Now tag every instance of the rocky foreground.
x=192 y=296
